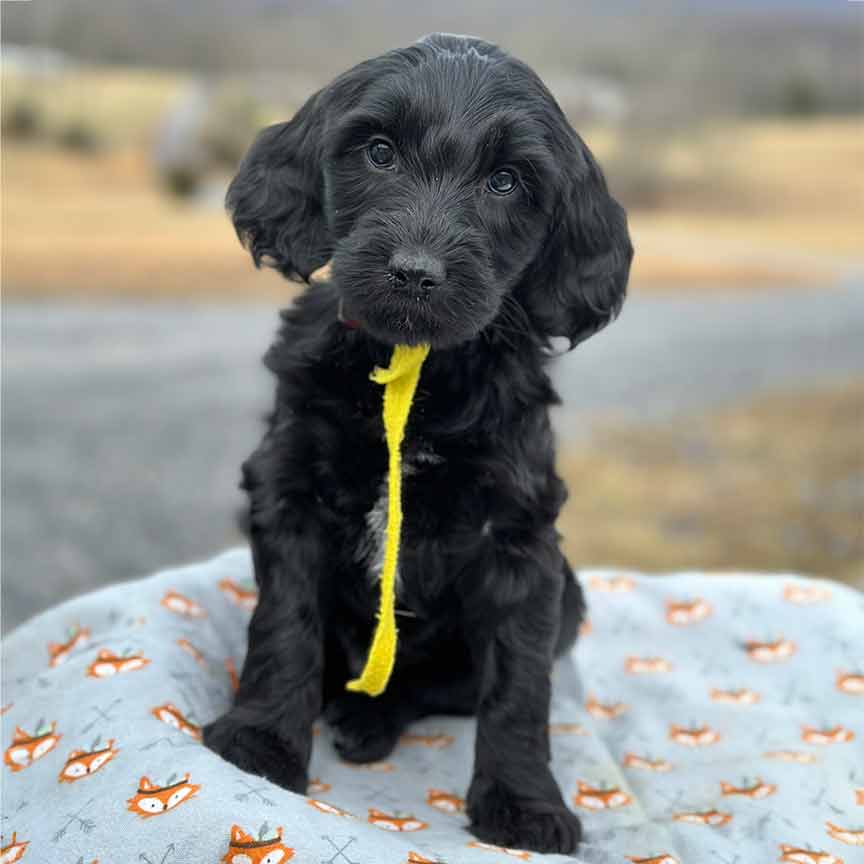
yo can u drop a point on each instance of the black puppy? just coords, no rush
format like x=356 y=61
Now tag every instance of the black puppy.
x=458 y=208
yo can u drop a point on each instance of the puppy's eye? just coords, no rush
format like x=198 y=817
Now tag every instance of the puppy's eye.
x=502 y=182
x=381 y=153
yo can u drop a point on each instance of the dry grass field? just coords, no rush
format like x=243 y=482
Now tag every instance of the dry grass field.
x=777 y=485
x=760 y=203
x=101 y=227
x=123 y=105
x=101 y=224
x=748 y=204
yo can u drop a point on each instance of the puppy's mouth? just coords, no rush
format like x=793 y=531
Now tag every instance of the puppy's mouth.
x=403 y=320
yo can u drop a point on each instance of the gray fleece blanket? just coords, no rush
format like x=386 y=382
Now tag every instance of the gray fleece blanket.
x=700 y=720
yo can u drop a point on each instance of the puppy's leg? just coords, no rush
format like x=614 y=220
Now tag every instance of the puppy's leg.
x=572 y=611
x=367 y=729
x=514 y=800
x=269 y=729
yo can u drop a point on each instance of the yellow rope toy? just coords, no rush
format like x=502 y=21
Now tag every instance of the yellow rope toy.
x=399 y=380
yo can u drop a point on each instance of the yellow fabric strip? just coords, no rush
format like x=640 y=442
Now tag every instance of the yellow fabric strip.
x=400 y=382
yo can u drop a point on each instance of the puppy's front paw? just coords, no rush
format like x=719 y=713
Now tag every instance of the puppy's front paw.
x=364 y=730
x=501 y=817
x=258 y=751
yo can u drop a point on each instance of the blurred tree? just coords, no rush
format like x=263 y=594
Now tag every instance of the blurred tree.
x=801 y=96
x=80 y=136
x=232 y=120
x=22 y=119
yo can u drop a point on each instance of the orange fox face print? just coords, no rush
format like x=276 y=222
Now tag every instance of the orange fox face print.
x=654 y=859
x=108 y=664
x=770 y=652
x=757 y=790
x=192 y=651
x=612 y=584
x=445 y=802
x=631 y=760
x=395 y=823
x=684 y=612
x=373 y=767
x=849 y=682
x=233 y=678
x=600 y=799
x=794 y=855
x=246 y=597
x=26 y=749
x=179 y=604
x=805 y=595
x=153 y=800
x=697 y=736
x=520 y=854
x=243 y=848
x=14 y=850
x=83 y=763
x=59 y=652
x=324 y=807
x=173 y=717
x=433 y=742
x=646 y=665
x=603 y=710
x=567 y=729
x=849 y=836
x=798 y=757
x=714 y=818
x=832 y=735
x=417 y=858
x=744 y=696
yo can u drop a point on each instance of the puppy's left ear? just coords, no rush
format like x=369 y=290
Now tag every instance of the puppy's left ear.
x=578 y=283
x=277 y=198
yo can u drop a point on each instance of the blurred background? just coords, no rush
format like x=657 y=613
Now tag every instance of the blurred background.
x=718 y=424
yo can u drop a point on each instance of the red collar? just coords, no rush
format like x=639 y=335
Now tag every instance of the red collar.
x=350 y=323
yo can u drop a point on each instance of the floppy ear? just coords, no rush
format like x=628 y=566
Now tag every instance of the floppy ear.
x=579 y=280
x=277 y=198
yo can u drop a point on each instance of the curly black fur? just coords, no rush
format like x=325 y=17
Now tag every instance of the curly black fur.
x=489 y=596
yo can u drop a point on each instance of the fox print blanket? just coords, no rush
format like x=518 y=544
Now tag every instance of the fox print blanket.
x=700 y=720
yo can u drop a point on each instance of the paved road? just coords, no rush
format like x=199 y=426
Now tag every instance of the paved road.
x=124 y=426
x=671 y=354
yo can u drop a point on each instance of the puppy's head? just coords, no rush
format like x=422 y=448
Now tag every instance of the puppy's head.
x=441 y=179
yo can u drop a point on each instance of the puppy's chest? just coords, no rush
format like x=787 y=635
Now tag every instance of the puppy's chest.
x=369 y=552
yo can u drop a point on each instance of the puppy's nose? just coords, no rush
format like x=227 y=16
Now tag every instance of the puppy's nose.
x=416 y=270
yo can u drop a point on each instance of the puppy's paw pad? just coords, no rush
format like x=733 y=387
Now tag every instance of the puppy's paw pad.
x=503 y=819
x=257 y=751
